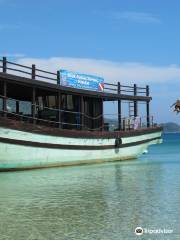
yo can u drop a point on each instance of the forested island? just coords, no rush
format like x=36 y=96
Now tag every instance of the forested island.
x=167 y=127
x=170 y=127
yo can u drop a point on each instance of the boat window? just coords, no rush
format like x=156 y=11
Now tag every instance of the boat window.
x=11 y=105
x=1 y=103
x=40 y=103
x=70 y=114
x=24 y=108
x=51 y=101
x=67 y=102
x=70 y=102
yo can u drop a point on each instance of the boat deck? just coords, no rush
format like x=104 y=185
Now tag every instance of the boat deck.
x=40 y=129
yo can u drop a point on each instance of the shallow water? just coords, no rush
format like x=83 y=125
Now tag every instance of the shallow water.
x=95 y=202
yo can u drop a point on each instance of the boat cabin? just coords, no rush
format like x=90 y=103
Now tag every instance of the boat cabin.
x=37 y=96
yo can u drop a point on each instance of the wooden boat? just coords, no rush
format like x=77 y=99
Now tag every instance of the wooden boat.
x=46 y=124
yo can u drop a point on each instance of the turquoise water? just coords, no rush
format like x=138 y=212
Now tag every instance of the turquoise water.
x=95 y=202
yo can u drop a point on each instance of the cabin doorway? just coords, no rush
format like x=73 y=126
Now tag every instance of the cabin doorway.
x=70 y=111
x=93 y=111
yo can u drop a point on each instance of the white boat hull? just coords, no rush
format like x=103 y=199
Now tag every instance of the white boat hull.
x=23 y=150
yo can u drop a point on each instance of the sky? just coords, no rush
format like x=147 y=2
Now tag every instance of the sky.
x=131 y=41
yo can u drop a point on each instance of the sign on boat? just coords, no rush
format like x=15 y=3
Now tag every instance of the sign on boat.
x=81 y=81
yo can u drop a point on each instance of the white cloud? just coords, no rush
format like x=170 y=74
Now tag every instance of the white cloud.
x=111 y=71
x=139 y=17
x=131 y=16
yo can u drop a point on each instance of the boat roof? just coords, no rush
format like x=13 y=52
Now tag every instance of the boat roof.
x=32 y=77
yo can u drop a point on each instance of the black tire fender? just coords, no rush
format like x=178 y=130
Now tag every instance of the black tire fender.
x=118 y=142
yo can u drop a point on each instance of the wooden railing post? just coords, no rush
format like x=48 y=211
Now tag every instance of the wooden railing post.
x=59 y=109
x=152 y=121
x=124 y=124
x=135 y=102
x=82 y=112
x=33 y=71
x=17 y=106
x=5 y=98
x=140 y=122
x=58 y=77
x=119 y=107
x=129 y=124
x=4 y=65
x=102 y=117
x=147 y=107
x=34 y=104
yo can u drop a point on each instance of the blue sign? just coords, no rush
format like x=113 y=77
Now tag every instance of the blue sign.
x=82 y=81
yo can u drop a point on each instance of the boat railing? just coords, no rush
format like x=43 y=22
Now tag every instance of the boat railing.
x=29 y=72
x=129 y=123
x=105 y=122
x=34 y=73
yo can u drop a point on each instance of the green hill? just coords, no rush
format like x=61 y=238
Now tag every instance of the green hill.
x=170 y=127
x=167 y=127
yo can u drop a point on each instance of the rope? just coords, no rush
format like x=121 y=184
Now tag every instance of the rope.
x=126 y=119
